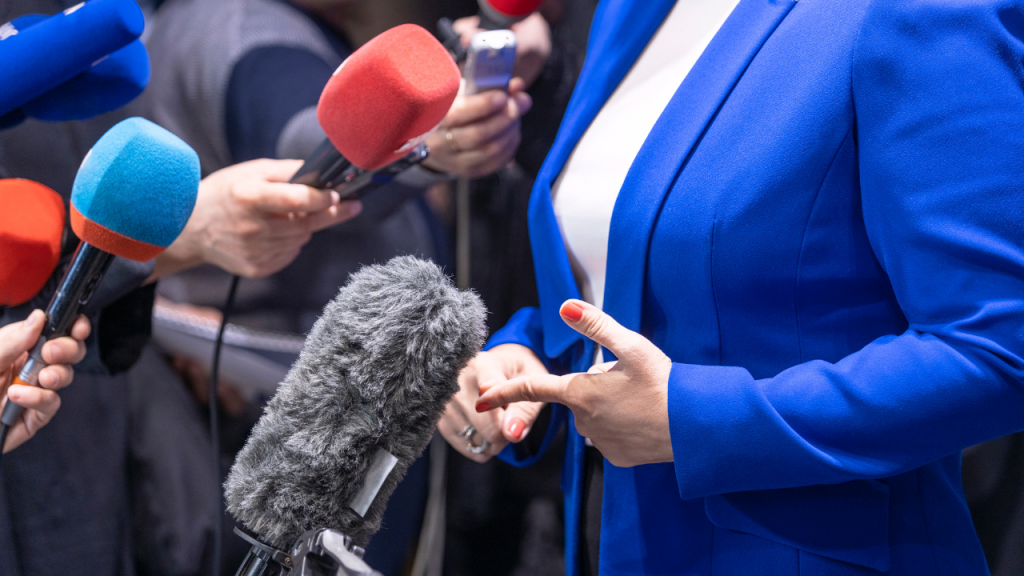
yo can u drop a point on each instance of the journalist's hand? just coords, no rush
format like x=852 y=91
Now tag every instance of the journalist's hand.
x=498 y=427
x=249 y=221
x=40 y=403
x=480 y=134
x=621 y=406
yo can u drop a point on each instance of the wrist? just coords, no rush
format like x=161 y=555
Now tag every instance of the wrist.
x=181 y=255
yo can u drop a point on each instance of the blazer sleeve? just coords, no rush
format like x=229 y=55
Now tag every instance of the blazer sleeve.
x=525 y=328
x=938 y=88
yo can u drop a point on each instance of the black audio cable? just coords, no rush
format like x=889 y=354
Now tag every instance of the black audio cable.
x=218 y=521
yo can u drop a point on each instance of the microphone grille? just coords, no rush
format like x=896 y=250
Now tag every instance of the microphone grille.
x=135 y=190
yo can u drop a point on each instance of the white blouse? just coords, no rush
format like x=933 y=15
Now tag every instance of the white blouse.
x=585 y=192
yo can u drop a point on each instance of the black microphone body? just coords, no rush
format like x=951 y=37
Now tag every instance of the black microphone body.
x=76 y=288
x=325 y=168
x=357 y=408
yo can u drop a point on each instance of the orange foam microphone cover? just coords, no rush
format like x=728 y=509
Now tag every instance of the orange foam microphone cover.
x=387 y=96
x=31 y=229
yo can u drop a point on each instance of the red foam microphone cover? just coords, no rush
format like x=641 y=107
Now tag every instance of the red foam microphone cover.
x=31 y=229
x=388 y=95
x=517 y=9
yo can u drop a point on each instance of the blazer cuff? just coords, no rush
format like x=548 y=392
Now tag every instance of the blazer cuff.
x=698 y=402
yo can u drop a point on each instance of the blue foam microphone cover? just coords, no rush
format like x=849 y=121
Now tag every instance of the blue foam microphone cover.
x=106 y=86
x=41 y=56
x=135 y=190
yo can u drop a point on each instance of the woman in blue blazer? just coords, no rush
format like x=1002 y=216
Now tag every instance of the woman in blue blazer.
x=816 y=275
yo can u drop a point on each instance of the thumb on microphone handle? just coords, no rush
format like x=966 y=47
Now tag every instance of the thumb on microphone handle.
x=73 y=293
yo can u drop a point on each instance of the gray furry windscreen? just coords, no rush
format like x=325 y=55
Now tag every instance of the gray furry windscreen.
x=377 y=370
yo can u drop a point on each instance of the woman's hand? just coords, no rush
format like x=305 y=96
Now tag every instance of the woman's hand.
x=497 y=427
x=621 y=406
x=40 y=403
x=480 y=134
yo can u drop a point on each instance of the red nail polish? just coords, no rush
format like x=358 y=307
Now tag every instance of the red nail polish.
x=483 y=407
x=516 y=428
x=571 y=311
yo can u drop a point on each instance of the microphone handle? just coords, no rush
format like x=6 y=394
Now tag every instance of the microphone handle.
x=324 y=168
x=75 y=289
x=357 y=183
x=327 y=168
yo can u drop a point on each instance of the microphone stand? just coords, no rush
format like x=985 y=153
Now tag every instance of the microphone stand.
x=262 y=559
x=322 y=552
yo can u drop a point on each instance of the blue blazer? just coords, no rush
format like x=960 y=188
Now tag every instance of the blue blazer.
x=824 y=232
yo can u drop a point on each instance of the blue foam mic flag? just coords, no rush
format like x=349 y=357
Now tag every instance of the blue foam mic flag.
x=45 y=54
x=106 y=86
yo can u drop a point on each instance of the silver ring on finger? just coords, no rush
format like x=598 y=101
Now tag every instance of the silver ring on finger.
x=467 y=434
x=451 y=142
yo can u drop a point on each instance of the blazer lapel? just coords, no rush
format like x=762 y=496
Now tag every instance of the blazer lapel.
x=669 y=145
x=620 y=32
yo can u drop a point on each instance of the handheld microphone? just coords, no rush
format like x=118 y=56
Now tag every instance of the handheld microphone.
x=48 y=53
x=31 y=230
x=132 y=196
x=378 y=108
x=356 y=409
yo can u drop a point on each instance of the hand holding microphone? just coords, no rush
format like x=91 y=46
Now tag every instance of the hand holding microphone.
x=131 y=198
x=251 y=222
x=481 y=132
x=31 y=231
x=41 y=403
